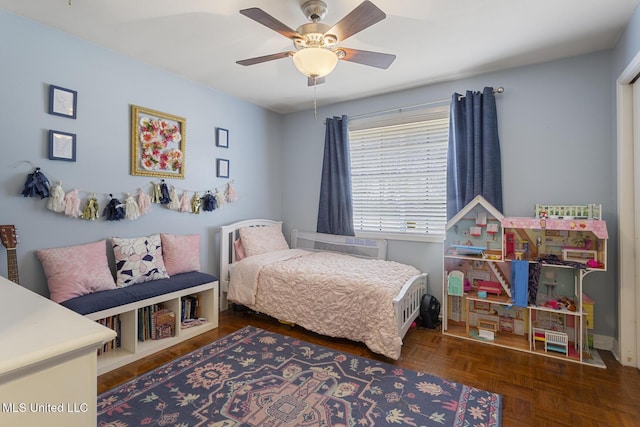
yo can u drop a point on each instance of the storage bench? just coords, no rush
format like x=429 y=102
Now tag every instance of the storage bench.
x=126 y=302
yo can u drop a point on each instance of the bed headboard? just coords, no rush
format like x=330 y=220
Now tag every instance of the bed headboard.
x=228 y=251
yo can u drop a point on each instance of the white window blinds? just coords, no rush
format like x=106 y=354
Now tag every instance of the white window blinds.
x=399 y=172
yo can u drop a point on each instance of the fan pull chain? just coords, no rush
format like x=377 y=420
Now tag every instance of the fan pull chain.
x=315 y=104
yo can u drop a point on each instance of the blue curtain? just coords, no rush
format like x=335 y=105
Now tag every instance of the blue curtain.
x=335 y=212
x=474 y=162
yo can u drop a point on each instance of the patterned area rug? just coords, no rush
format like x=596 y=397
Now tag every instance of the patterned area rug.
x=259 y=378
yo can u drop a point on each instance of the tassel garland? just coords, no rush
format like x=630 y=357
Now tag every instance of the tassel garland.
x=114 y=211
x=164 y=193
x=230 y=193
x=220 y=198
x=208 y=202
x=90 y=212
x=195 y=203
x=56 y=199
x=131 y=208
x=144 y=202
x=36 y=185
x=72 y=204
x=174 y=203
x=185 y=202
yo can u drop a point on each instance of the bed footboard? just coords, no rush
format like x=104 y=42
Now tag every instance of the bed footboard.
x=407 y=302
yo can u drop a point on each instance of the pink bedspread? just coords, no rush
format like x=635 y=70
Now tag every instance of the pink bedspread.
x=328 y=293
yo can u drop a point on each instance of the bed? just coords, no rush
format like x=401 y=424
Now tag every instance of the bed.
x=338 y=286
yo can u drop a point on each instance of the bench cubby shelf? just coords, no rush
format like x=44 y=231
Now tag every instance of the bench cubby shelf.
x=131 y=349
x=480 y=245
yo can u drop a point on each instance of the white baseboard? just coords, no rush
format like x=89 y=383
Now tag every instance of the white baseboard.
x=603 y=342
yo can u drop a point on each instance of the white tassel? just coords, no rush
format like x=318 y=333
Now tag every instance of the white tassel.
x=144 y=202
x=231 y=193
x=220 y=198
x=174 y=204
x=72 y=204
x=56 y=198
x=185 y=202
x=131 y=209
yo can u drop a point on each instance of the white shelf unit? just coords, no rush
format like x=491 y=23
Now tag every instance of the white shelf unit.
x=131 y=349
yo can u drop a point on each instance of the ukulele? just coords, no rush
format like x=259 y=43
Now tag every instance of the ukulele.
x=9 y=241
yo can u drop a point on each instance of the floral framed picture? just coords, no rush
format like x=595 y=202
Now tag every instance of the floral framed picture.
x=157 y=143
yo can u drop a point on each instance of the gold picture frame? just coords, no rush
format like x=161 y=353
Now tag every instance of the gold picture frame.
x=158 y=143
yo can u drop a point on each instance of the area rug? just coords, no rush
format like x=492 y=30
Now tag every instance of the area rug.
x=258 y=378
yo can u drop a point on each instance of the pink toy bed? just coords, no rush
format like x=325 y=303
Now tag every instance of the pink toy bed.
x=336 y=286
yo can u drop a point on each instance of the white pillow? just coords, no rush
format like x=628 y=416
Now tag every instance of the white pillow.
x=259 y=240
x=138 y=260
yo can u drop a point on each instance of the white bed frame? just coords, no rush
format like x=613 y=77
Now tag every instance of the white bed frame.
x=406 y=303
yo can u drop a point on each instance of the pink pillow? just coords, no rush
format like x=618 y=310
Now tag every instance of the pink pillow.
x=259 y=240
x=181 y=253
x=240 y=255
x=73 y=271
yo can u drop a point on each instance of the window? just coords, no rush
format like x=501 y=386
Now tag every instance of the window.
x=399 y=173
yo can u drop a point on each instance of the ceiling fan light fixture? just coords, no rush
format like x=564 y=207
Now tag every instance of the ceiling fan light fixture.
x=315 y=61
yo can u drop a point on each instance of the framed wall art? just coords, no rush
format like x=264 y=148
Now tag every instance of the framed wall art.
x=63 y=102
x=62 y=146
x=157 y=143
x=222 y=168
x=222 y=138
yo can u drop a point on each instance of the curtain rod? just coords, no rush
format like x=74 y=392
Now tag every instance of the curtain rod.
x=496 y=90
x=412 y=107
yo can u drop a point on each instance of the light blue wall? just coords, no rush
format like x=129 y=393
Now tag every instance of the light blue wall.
x=34 y=56
x=555 y=127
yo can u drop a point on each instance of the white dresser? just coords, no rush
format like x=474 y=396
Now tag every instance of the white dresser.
x=47 y=361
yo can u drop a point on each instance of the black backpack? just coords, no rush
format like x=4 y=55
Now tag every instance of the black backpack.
x=429 y=312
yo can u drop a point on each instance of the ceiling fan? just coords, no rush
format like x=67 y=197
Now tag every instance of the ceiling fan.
x=317 y=51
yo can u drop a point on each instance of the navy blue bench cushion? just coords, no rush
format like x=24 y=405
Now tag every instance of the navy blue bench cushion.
x=103 y=300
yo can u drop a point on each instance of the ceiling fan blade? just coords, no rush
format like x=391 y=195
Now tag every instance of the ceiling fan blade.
x=269 y=21
x=365 y=57
x=314 y=81
x=259 y=59
x=363 y=16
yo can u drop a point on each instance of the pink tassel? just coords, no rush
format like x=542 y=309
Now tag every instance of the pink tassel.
x=72 y=204
x=231 y=193
x=144 y=202
x=185 y=202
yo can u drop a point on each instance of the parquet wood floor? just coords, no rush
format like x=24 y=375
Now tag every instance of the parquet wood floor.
x=536 y=390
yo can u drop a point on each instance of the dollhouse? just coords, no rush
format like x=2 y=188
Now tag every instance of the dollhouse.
x=517 y=282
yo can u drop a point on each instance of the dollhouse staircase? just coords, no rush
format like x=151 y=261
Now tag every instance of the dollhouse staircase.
x=501 y=277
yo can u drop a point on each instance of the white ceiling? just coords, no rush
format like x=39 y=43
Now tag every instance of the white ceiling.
x=434 y=40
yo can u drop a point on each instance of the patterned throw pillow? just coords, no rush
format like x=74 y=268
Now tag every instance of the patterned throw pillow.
x=73 y=271
x=138 y=260
x=181 y=253
x=259 y=240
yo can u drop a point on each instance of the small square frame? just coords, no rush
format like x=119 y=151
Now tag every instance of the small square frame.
x=62 y=146
x=222 y=168
x=63 y=102
x=222 y=137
